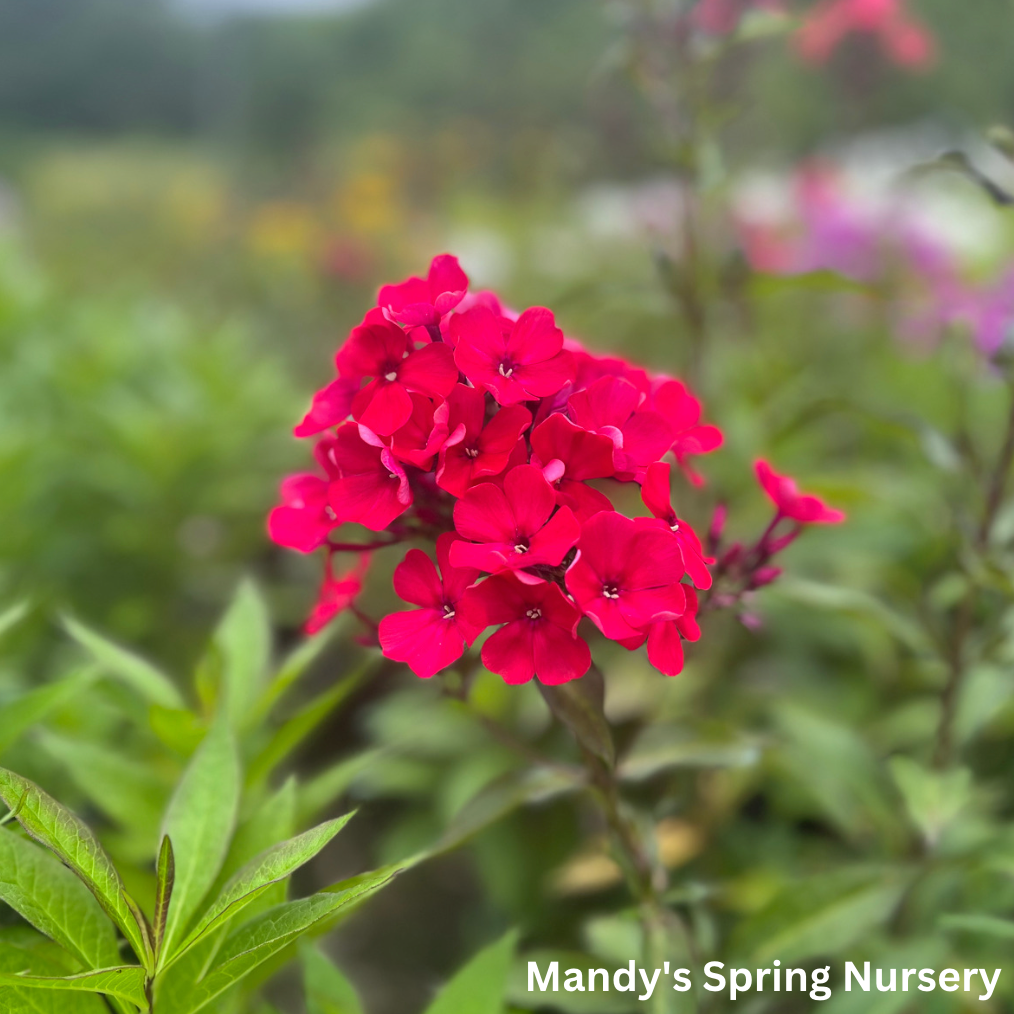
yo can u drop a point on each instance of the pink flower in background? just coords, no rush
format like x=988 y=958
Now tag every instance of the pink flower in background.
x=433 y=636
x=515 y=362
x=805 y=508
x=904 y=39
x=423 y=301
x=722 y=17
x=514 y=527
x=337 y=593
x=539 y=632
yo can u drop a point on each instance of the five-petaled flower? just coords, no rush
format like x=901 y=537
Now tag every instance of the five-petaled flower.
x=423 y=301
x=433 y=636
x=539 y=633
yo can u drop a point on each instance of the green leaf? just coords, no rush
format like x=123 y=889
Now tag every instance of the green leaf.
x=200 y=819
x=165 y=876
x=273 y=820
x=272 y=866
x=327 y=989
x=323 y=789
x=294 y=665
x=25 y=1000
x=660 y=748
x=580 y=704
x=23 y=712
x=12 y=616
x=823 y=914
x=986 y=925
x=243 y=642
x=131 y=669
x=73 y=842
x=933 y=799
x=123 y=981
x=261 y=938
x=479 y=987
x=292 y=732
x=52 y=898
x=126 y=791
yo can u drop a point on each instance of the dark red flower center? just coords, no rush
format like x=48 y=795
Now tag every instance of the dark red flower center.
x=506 y=368
x=535 y=613
x=448 y=611
x=610 y=591
x=472 y=452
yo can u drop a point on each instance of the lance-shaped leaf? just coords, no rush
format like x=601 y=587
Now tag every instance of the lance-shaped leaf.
x=23 y=712
x=271 y=866
x=22 y=999
x=294 y=730
x=131 y=669
x=580 y=706
x=327 y=989
x=12 y=616
x=165 y=876
x=243 y=643
x=126 y=982
x=73 y=842
x=52 y=898
x=261 y=938
x=479 y=987
x=200 y=820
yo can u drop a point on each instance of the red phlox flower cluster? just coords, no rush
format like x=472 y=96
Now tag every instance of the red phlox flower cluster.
x=480 y=431
x=455 y=421
x=904 y=39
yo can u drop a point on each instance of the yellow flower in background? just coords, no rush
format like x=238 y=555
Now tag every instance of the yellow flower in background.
x=368 y=203
x=284 y=229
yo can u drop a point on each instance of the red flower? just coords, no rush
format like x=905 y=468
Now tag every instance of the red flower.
x=383 y=351
x=567 y=455
x=418 y=441
x=474 y=450
x=514 y=362
x=423 y=301
x=903 y=38
x=683 y=413
x=371 y=488
x=432 y=637
x=304 y=519
x=331 y=406
x=514 y=527
x=657 y=496
x=626 y=574
x=539 y=636
x=337 y=594
x=790 y=503
x=665 y=638
x=611 y=406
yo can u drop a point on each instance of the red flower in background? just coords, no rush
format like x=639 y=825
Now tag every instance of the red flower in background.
x=656 y=493
x=433 y=636
x=515 y=362
x=514 y=527
x=337 y=593
x=790 y=503
x=626 y=574
x=423 y=301
x=539 y=632
x=903 y=38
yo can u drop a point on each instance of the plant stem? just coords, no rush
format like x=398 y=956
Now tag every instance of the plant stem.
x=943 y=755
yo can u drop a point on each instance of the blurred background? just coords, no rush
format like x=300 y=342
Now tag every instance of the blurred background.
x=199 y=198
